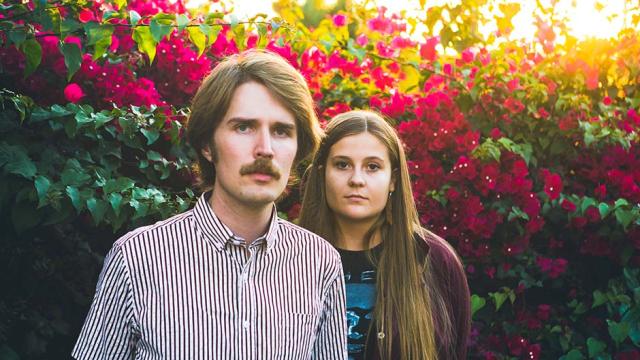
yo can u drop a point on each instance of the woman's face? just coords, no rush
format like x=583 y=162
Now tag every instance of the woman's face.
x=358 y=177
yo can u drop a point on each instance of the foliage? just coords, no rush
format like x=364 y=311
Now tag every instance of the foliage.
x=524 y=156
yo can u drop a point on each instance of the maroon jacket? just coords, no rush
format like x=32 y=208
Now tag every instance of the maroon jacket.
x=451 y=282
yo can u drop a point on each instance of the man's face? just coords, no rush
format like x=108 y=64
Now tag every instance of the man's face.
x=255 y=145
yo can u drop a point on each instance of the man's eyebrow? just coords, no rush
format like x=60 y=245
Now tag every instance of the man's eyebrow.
x=236 y=120
x=286 y=125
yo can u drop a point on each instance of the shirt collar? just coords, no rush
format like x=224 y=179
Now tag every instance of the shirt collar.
x=219 y=234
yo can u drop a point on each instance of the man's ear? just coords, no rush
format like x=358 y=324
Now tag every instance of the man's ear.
x=207 y=152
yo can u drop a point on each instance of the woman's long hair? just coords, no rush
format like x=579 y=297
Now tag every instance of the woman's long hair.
x=408 y=306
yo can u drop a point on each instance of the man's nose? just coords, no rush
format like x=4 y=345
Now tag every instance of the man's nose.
x=264 y=144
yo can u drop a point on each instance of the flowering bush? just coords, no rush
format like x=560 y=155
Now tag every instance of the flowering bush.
x=525 y=157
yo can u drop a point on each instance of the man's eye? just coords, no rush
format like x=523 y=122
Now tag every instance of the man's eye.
x=283 y=132
x=242 y=128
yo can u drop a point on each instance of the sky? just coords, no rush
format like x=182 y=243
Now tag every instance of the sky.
x=587 y=18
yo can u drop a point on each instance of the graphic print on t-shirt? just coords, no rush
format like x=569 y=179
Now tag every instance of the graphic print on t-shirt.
x=360 y=284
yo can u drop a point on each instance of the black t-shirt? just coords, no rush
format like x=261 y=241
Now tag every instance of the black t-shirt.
x=360 y=283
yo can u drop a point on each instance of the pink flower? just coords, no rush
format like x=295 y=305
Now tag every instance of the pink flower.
x=73 y=93
x=428 y=49
x=339 y=20
x=467 y=56
x=362 y=40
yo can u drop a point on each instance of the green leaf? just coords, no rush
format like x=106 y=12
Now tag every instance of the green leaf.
x=604 y=210
x=141 y=208
x=33 y=53
x=134 y=17
x=573 y=355
x=7 y=353
x=42 y=185
x=99 y=35
x=146 y=43
x=182 y=21
x=621 y=202
x=97 y=208
x=115 y=200
x=624 y=217
x=211 y=31
x=118 y=185
x=498 y=298
x=74 y=195
x=17 y=35
x=72 y=58
x=161 y=25
x=74 y=177
x=595 y=347
x=618 y=331
x=599 y=298
x=586 y=202
x=151 y=135
x=16 y=161
x=477 y=303
x=198 y=38
x=24 y=216
x=154 y=155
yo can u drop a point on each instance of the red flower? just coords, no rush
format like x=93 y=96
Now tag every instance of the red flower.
x=552 y=267
x=553 y=185
x=606 y=100
x=601 y=192
x=568 y=205
x=514 y=106
x=73 y=93
x=86 y=15
x=516 y=345
x=593 y=214
x=543 y=312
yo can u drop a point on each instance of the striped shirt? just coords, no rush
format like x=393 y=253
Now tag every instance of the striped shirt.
x=188 y=288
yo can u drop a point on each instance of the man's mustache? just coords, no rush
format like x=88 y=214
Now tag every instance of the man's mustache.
x=262 y=166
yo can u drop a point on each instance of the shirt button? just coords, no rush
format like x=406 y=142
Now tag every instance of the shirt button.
x=245 y=277
x=245 y=324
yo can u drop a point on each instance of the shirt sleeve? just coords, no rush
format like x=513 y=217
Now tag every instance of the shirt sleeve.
x=108 y=331
x=331 y=340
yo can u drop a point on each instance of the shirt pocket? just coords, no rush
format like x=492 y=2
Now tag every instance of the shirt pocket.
x=297 y=335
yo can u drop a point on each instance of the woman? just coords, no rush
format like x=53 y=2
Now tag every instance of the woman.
x=407 y=294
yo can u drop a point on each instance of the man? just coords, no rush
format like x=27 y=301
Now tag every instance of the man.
x=228 y=279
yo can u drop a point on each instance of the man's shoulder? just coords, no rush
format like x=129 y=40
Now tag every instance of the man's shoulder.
x=155 y=232
x=297 y=236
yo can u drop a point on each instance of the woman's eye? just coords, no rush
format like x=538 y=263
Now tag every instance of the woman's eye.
x=373 y=167
x=341 y=164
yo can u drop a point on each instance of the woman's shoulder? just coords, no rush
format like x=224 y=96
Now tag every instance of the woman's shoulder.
x=437 y=248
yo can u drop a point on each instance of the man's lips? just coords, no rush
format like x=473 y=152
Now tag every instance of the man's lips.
x=262 y=176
